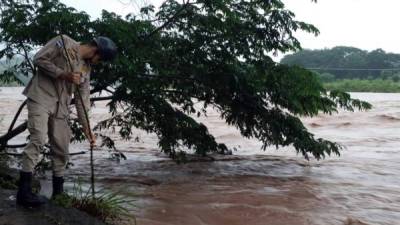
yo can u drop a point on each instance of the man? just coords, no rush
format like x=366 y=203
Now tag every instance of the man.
x=49 y=94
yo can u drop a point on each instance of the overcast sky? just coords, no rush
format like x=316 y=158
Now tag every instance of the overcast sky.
x=365 y=24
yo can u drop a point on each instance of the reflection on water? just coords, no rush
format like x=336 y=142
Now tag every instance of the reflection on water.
x=255 y=187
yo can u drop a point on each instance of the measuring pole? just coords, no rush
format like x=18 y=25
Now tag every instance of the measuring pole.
x=87 y=120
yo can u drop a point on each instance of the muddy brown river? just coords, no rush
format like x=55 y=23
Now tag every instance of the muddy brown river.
x=255 y=187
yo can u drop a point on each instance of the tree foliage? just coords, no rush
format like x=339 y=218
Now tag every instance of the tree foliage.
x=213 y=52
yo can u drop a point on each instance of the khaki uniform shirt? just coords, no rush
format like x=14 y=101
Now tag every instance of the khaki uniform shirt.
x=47 y=89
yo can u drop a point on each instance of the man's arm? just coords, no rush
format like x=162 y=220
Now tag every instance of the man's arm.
x=44 y=58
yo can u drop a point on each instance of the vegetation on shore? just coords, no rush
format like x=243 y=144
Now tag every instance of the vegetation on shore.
x=110 y=207
x=351 y=69
x=358 y=85
x=348 y=62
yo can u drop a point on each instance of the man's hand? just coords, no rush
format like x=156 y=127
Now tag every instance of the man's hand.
x=72 y=77
x=91 y=137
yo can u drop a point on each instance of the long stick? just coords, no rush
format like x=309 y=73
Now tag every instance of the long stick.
x=87 y=120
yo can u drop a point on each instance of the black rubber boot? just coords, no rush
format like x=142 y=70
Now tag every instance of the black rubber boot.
x=25 y=197
x=58 y=186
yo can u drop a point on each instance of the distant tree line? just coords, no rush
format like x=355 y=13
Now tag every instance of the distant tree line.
x=348 y=63
x=358 y=85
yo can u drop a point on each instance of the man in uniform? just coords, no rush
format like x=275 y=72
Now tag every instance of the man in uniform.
x=49 y=95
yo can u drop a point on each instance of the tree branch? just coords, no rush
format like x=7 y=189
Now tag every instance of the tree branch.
x=16 y=116
x=22 y=127
x=170 y=20
x=9 y=135
x=27 y=57
x=101 y=88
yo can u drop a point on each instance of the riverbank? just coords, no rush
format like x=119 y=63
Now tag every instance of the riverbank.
x=358 y=85
x=49 y=214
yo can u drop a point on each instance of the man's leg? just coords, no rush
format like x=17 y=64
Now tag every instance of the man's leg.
x=37 y=125
x=59 y=134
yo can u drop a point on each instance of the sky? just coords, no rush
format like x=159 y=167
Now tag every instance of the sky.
x=364 y=24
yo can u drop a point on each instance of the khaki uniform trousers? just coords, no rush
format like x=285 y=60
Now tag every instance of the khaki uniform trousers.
x=42 y=124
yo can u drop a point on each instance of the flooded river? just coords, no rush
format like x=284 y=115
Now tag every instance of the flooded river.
x=255 y=187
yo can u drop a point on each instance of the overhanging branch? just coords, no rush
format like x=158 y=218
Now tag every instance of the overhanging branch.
x=22 y=127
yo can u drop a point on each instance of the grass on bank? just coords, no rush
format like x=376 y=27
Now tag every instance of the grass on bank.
x=106 y=206
x=357 y=85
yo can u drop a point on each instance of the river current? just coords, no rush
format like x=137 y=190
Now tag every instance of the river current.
x=255 y=187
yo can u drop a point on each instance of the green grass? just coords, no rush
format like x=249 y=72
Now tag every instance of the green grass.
x=106 y=206
x=357 y=85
